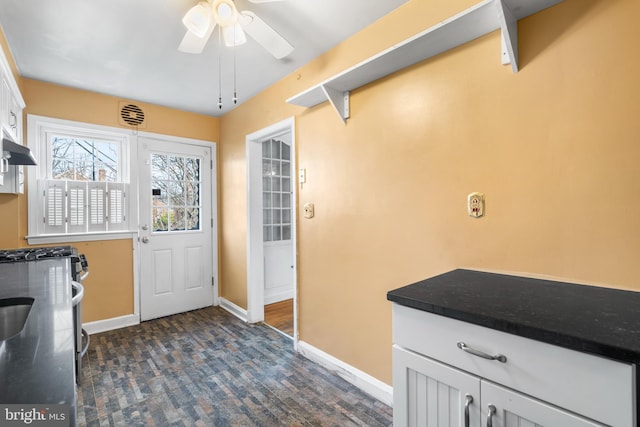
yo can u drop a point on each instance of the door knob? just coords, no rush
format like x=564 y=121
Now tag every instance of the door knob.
x=145 y=240
x=145 y=227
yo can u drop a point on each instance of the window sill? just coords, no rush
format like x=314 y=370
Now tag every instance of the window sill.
x=81 y=237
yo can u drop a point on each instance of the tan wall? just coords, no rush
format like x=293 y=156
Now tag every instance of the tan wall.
x=554 y=148
x=109 y=288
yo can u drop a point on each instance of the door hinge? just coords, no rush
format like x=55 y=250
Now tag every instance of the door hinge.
x=211 y=162
x=213 y=281
x=211 y=222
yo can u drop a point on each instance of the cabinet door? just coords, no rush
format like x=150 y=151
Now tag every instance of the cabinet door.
x=517 y=410
x=14 y=119
x=427 y=393
x=4 y=102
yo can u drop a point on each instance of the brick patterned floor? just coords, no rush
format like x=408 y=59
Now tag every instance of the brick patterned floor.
x=208 y=368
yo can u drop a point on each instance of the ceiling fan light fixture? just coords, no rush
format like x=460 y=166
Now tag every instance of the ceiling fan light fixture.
x=198 y=19
x=233 y=35
x=225 y=12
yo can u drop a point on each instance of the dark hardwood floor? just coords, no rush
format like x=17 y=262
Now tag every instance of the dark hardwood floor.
x=280 y=316
x=208 y=368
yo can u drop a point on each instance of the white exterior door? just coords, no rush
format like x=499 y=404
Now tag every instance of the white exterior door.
x=176 y=227
x=277 y=218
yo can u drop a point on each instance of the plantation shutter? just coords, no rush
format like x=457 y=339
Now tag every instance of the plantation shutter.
x=97 y=211
x=117 y=206
x=54 y=219
x=76 y=207
x=81 y=206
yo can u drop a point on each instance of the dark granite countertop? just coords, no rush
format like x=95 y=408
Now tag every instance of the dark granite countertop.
x=590 y=319
x=37 y=365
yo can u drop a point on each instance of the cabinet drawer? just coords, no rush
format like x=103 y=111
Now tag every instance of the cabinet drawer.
x=598 y=388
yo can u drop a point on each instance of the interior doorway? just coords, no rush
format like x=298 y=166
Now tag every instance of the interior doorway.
x=271 y=227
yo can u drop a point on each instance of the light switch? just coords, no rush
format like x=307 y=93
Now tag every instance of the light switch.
x=309 y=210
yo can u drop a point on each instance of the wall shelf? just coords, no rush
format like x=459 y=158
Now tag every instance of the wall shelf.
x=483 y=18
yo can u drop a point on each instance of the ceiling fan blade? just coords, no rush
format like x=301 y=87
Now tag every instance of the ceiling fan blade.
x=263 y=1
x=191 y=43
x=266 y=36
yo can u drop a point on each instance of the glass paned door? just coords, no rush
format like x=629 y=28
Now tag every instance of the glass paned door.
x=177 y=232
x=276 y=190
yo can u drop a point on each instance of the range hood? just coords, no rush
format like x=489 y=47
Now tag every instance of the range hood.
x=17 y=154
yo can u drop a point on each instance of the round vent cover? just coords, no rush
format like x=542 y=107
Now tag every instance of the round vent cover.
x=132 y=115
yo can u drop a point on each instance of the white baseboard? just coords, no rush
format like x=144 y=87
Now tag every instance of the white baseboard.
x=365 y=382
x=111 y=324
x=236 y=310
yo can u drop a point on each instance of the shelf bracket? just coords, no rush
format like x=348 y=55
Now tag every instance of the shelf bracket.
x=509 y=26
x=339 y=100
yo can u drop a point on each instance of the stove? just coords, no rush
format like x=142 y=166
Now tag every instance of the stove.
x=79 y=265
x=31 y=254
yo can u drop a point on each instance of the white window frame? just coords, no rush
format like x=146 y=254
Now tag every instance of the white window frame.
x=39 y=132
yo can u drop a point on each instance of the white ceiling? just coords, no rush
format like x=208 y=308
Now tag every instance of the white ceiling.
x=128 y=48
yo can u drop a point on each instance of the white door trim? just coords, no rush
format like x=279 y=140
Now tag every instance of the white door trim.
x=255 y=248
x=214 y=209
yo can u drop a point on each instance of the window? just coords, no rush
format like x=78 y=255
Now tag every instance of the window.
x=81 y=184
x=276 y=190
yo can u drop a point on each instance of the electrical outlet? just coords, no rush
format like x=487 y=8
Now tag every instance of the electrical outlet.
x=475 y=205
x=309 y=210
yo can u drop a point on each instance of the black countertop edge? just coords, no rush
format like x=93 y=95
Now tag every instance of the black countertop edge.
x=558 y=313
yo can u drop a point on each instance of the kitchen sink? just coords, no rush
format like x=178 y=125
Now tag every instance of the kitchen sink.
x=13 y=316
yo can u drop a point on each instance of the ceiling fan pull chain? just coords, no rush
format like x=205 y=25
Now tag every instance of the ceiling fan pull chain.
x=235 y=48
x=219 y=67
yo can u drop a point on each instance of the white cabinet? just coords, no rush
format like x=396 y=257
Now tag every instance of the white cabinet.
x=5 y=96
x=432 y=394
x=11 y=108
x=435 y=382
x=14 y=119
x=12 y=180
x=10 y=112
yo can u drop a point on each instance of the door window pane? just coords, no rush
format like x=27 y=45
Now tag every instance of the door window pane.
x=175 y=183
x=176 y=219
x=160 y=219
x=193 y=219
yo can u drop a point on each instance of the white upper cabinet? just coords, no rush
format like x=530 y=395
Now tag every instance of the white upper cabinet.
x=11 y=108
x=12 y=103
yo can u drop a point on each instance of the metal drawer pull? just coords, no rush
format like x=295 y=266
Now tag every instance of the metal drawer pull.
x=467 y=403
x=499 y=357
x=492 y=410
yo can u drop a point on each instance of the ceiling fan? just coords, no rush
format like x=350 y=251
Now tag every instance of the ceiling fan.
x=203 y=18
